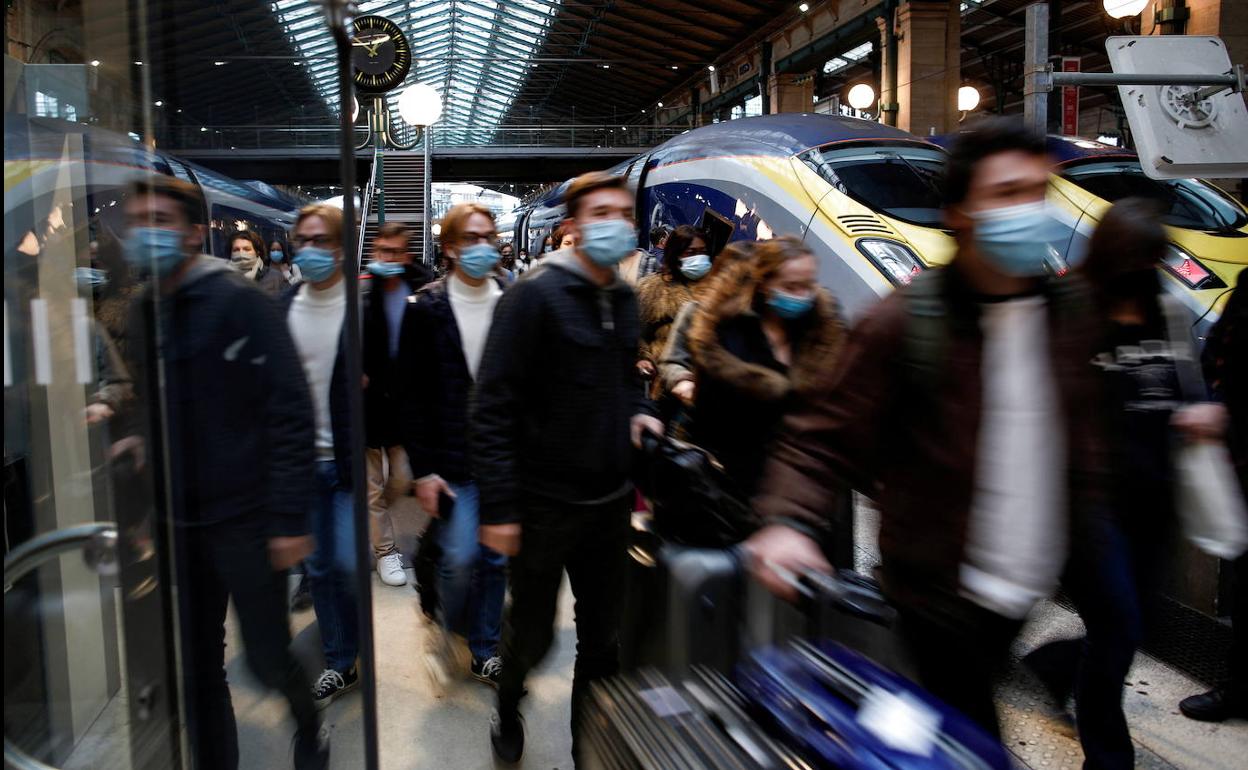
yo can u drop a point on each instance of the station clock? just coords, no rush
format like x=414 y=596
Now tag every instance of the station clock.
x=381 y=55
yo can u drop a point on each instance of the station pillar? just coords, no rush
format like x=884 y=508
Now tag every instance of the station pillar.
x=791 y=92
x=929 y=68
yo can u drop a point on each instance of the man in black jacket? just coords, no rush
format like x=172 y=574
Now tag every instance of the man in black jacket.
x=239 y=432
x=395 y=281
x=444 y=336
x=550 y=432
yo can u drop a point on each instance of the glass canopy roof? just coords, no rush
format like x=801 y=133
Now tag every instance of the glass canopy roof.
x=475 y=53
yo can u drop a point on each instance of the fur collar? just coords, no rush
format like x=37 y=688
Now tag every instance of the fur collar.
x=812 y=357
x=659 y=298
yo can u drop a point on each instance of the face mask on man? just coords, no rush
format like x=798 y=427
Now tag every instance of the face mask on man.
x=478 y=260
x=154 y=250
x=91 y=278
x=608 y=241
x=386 y=269
x=696 y=266
x=315 y=263
x=789 y=306
x=1019 y=240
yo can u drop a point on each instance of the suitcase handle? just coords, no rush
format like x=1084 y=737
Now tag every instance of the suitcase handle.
x=846 y=591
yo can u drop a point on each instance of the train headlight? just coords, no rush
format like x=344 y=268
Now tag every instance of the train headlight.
x=895 y=260
x=1189 y=270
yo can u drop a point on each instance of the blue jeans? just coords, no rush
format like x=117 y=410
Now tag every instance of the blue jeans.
x=332 y=569
x=472 y=579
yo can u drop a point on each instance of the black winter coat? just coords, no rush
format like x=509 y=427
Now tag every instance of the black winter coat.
x=339 y=406
x=436 y=387
x=383 y=395
x=557 y=388
x=240 y=424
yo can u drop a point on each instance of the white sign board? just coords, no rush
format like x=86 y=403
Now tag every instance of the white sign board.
x=1177 y=135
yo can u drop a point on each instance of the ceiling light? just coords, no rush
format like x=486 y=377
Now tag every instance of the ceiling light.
x=710 y=68
x=861 y=96
x=1121 y=9
x=420 y=105
x=159 y=103
x=675 y=67
x=95 y=62
x=218 y=63
x=203 y=129
x=804 y=7
x=968 y=98
x=139 y=63
x=660 y=104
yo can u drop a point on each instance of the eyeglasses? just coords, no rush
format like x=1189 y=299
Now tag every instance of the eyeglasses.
x=472 y=239
x=320 y=241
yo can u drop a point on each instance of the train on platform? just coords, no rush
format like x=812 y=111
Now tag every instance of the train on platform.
x=41 y=154
x=868 y=198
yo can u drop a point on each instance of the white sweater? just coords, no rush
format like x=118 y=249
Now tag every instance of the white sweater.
x=473 y=308
x=315 y=321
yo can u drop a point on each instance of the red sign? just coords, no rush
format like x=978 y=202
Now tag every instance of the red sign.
x=1070 y=99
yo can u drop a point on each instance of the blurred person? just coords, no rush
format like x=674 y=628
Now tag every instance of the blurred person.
x=963 y=403
x=555 y=404
x=1150 y=382
x=548 y=245
x=281 y=262
x=239 y=429
x=249 y=256
x=564 y=238
x=316 y=313
x=506 y=268
x=661 y=296
x=762 y=334
x=654 y=255
x=444 y=336
x=394 y=284
x=1226 y=373
x=523 y=262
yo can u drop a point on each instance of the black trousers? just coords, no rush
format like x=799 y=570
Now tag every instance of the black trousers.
x=589 y=542
x=959 y=653
x=215 y=564
x=1239 y=627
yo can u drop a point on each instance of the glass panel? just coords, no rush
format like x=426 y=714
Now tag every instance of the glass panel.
x=1188 y=203
x=902 y=182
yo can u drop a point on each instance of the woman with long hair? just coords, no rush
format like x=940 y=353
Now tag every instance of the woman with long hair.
x=661 y=296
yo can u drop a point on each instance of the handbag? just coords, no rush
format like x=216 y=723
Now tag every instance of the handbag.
x=1208 y=496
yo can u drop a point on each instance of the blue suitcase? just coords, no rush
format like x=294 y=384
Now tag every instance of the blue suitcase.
x=841 y=710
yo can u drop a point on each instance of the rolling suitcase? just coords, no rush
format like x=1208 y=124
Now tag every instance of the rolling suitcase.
x=646 y=721
x=839 y=709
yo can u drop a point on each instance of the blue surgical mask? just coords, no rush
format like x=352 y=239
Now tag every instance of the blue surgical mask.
x=789 y=306
x=1019 y=240
x=608 y=241
x=386 y=269
x=696 y=266
x=90 y=278
x=478 y=260
x=154 y=250
x=276 y=255
x=315 y=263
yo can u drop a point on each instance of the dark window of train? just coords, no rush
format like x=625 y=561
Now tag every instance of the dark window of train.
x=902 y=183
x=1188 y=203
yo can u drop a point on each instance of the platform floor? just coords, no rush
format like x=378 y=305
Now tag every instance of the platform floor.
x=420 y=731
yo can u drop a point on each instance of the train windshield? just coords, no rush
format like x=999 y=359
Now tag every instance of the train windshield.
x=901 y=181
x=1188 y=203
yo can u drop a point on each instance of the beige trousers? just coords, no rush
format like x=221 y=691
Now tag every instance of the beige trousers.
x=389 y=478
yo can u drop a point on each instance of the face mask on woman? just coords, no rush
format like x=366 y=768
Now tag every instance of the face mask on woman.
x=276 y=255
x=695 y=266
x=789 y=306
x=1018 y=240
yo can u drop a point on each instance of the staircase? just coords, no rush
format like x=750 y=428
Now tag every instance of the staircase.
x=404 y=200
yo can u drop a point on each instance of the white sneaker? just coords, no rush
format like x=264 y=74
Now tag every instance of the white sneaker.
x=390 y=570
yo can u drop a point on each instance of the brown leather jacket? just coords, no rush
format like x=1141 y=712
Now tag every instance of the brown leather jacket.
x=877 y=431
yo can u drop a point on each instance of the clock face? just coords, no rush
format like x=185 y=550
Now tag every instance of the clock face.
x=380 y=55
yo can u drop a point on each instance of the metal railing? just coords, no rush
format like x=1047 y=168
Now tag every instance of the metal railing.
x=273 y=137
x=99 y=550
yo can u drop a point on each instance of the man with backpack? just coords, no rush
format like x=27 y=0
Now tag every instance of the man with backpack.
x=965 y=406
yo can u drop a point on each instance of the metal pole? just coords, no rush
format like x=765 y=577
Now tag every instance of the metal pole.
x=1035 y=70
x=338 y=13
x=1215 y=82
x=426 y=228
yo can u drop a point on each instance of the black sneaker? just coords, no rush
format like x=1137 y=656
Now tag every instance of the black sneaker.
x=1217 y=705
x=488 y=670
x=333 y=683
x=507 y=737
x=302 y=599
x=312 y=753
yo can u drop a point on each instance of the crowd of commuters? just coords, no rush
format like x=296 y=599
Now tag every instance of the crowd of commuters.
x=1014 y=423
